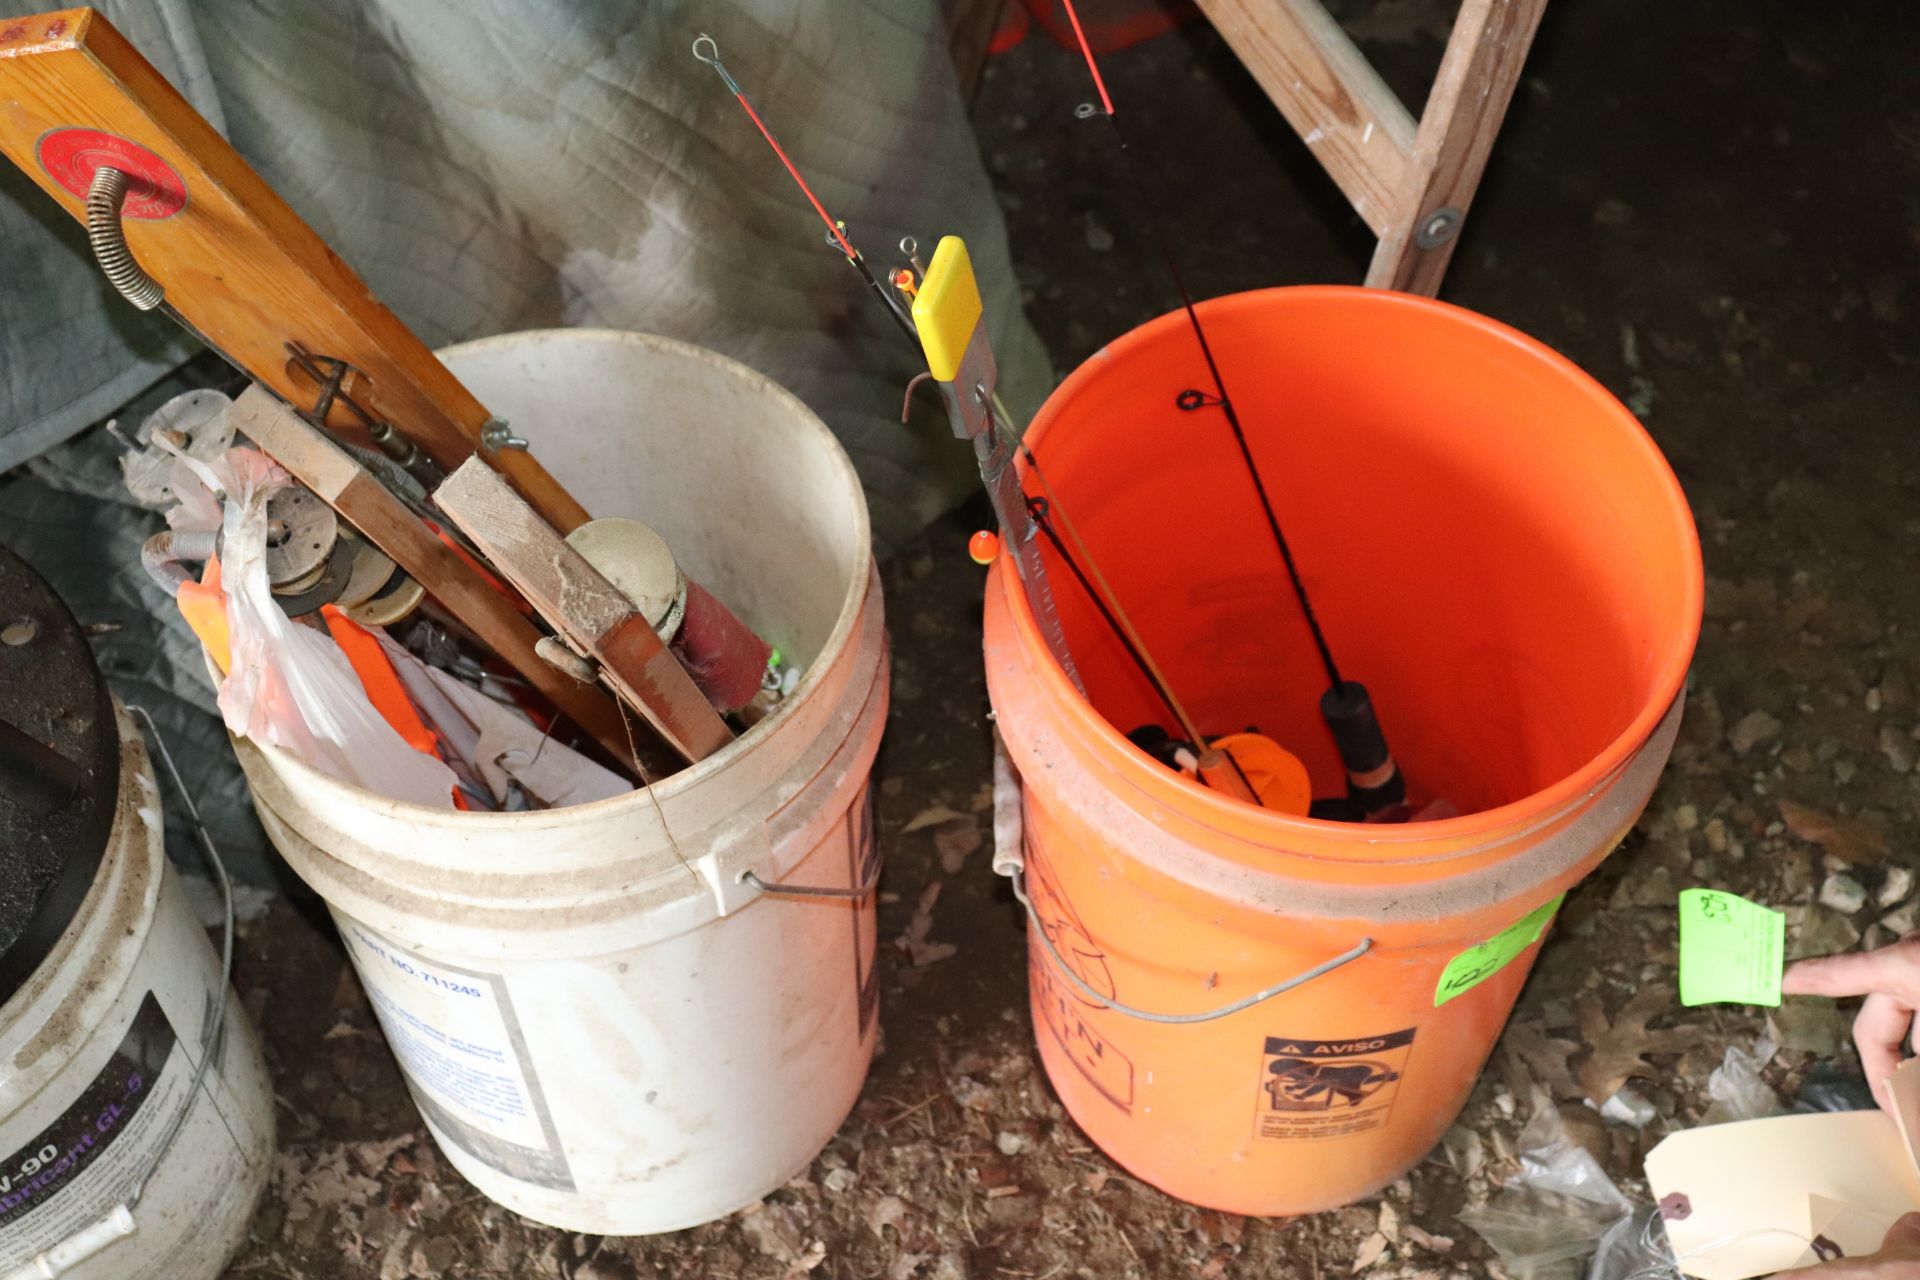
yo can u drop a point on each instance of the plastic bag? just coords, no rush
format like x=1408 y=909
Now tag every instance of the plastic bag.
x=1831 y=1087
x=499 y=743
x=1635 y=1248
x=1736 y=1088
x=289 y=684
x=1546 y=1220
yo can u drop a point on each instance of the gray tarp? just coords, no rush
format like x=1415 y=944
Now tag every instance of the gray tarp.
x=491 y=165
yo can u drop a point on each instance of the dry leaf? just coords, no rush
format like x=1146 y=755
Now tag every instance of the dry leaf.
x=1371 y=1251
x=1427 y=1240
x=887 y=1211
x=772 y=1229
x=955 y=842
x=1620 y=1047
x=931 y=816
x=372 y=1156
x=1852 y=840
x=1544 y=1059
x=914 y=940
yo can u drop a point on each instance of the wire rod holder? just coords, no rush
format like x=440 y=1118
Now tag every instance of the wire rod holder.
x=106 y=197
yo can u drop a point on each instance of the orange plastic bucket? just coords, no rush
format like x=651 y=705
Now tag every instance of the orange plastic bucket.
x=1500 y=553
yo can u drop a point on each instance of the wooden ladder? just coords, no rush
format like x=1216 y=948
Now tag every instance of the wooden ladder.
x=1410 y=183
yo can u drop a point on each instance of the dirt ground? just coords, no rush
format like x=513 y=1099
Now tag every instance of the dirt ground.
x=1715 y=208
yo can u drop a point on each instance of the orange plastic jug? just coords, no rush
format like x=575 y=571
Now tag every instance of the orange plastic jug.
x=1269 y=1014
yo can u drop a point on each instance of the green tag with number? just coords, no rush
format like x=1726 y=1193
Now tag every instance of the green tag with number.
x=1731 y=951
x=1478 y=963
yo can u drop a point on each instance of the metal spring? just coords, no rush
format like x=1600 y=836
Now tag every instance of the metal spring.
x=105 y=198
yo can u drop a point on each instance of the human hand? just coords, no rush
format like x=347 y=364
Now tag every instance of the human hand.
x=1898 y=1259
x=1890 y=980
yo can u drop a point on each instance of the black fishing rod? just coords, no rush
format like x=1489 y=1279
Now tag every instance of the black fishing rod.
x=1374 y=781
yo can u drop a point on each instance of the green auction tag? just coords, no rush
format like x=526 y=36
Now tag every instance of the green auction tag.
x=1478 y=963
x=1731 y=951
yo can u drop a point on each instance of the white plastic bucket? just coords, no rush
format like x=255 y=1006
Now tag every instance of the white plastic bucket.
x=98 y=1055
x=607 y=1025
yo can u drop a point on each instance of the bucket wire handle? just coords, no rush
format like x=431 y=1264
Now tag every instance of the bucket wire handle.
x=855 y=894
x=118 y=1222
x=1016 y=877
x=1009 y=859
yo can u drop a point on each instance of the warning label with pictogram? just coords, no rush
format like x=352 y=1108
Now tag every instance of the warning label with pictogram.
x=1329 y=1088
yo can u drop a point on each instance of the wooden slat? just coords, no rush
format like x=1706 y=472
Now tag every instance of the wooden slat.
x=340 y=481
x=237 y=262
x=1477 y=77
x=1328 y=91
x=579 y=603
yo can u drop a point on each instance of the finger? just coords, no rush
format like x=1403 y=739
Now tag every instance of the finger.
x=1904 y=1234
x=1883 y=1023
x=1854 y=974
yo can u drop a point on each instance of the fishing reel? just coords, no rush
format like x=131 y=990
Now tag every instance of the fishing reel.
x=313 y=558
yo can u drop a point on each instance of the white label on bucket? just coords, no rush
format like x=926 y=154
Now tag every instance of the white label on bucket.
x=89 y=1159
x=466 y=1062
x=1329 y=1088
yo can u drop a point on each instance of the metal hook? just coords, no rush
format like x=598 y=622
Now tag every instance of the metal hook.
x=906 y=401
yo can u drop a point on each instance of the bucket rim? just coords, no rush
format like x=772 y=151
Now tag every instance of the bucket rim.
x=832 y=649
x=1150 y=777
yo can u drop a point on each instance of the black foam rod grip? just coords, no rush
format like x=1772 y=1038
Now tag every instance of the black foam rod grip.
x=1372 y=777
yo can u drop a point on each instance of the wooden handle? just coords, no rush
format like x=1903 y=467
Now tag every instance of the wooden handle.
x=236 y=262
x=346 y=486
x=590 y=612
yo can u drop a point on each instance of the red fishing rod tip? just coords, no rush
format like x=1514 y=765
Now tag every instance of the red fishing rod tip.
x=1086 y=49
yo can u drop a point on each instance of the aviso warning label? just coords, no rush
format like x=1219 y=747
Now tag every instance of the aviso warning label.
x=1329 y=1088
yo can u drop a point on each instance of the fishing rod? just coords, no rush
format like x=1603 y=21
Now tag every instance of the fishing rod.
x=944 y=317
x=705 y=50
x=1218 y=768
x=1374 y=781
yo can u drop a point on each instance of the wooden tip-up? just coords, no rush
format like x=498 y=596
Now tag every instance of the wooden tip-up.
x=589 y=612
x=236 y=262
x=492 y=616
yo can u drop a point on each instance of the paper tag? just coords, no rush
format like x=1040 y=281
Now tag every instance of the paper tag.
x=1731 y=950
x=1478 y=963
